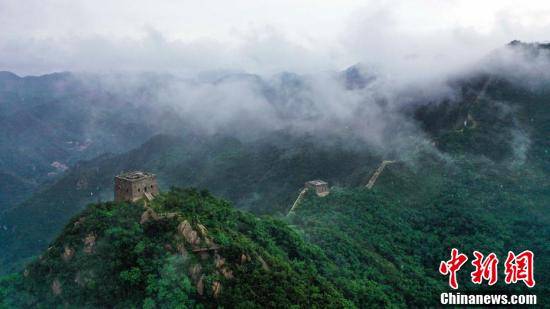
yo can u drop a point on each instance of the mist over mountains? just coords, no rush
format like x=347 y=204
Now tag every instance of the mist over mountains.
x=272 y=133
x=472 y=140
x=52 y=121
x=294 y=153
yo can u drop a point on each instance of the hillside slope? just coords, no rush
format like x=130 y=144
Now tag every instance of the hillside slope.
x=396 y=234
x=186 y=248
x=478 y=180
x=49 y=122
x=265 y=175
x=261 y=177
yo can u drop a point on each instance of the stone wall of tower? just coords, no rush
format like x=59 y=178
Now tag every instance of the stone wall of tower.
x=133 y=190
x=141 y=186
x=320 y=187
x=123 y=190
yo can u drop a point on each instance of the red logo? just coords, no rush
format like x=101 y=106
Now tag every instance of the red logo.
x=485 y=268
x=517 y=268
x=520 y=268
x=452 y=266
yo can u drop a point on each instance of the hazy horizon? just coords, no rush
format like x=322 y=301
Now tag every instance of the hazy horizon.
x=265 y=38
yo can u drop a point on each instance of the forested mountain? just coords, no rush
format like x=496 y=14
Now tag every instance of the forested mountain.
x=185 y=249
x=49 y=122
x=471 y=172
x=263 y=178
x=389 y=241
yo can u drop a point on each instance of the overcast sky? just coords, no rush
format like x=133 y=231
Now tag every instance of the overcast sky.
x=265 y=37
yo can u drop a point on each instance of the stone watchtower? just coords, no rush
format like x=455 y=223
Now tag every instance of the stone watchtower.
x=320 y=187
x=132 y=186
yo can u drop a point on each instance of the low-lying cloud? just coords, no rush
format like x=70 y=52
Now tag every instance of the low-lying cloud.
x=409 y=41
x=233 y=80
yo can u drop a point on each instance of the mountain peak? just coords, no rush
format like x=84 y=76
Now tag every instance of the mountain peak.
x=6 y=75
x=357 y=76
x=528 y=45
x=185 y=247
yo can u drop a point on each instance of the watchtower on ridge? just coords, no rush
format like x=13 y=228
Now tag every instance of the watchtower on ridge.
x=132 y=186
x=320 y=187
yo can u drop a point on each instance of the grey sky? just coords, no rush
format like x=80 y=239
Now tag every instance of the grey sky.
x=42 y=36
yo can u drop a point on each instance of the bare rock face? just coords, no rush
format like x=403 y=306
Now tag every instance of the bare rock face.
x=218 y=261
x=264 y=264
x=216 y=288
x=200 y=286
x=68 y=253
x=56 y=287
x=227 y=273
x=195 y=271
x=202 y=230
x=89 y=243
x=244 y=258
x=188 y=233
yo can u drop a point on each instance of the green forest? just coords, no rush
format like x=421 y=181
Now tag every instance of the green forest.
x=145 y=259
x=220 y=234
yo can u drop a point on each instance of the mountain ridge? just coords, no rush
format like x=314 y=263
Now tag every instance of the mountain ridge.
x=129 y=255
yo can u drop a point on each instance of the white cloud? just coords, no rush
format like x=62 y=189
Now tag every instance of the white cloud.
x=405 y=38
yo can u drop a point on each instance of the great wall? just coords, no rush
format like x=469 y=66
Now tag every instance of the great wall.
x=377 y=173
x=138 y=185
x=322 y=190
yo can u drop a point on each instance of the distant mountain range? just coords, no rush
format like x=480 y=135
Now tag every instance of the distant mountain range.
x=484 y=152
x=50 y=122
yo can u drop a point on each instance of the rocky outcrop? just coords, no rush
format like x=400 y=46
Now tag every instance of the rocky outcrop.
x=264 y=264
x=200 y=286
x=89 y=243
x=216 y=288
x=219 y=261
x=220 y=264
x=190 y=235
x=195 y=271
x=68 y=253
x=202 y=230
x=244 y=258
